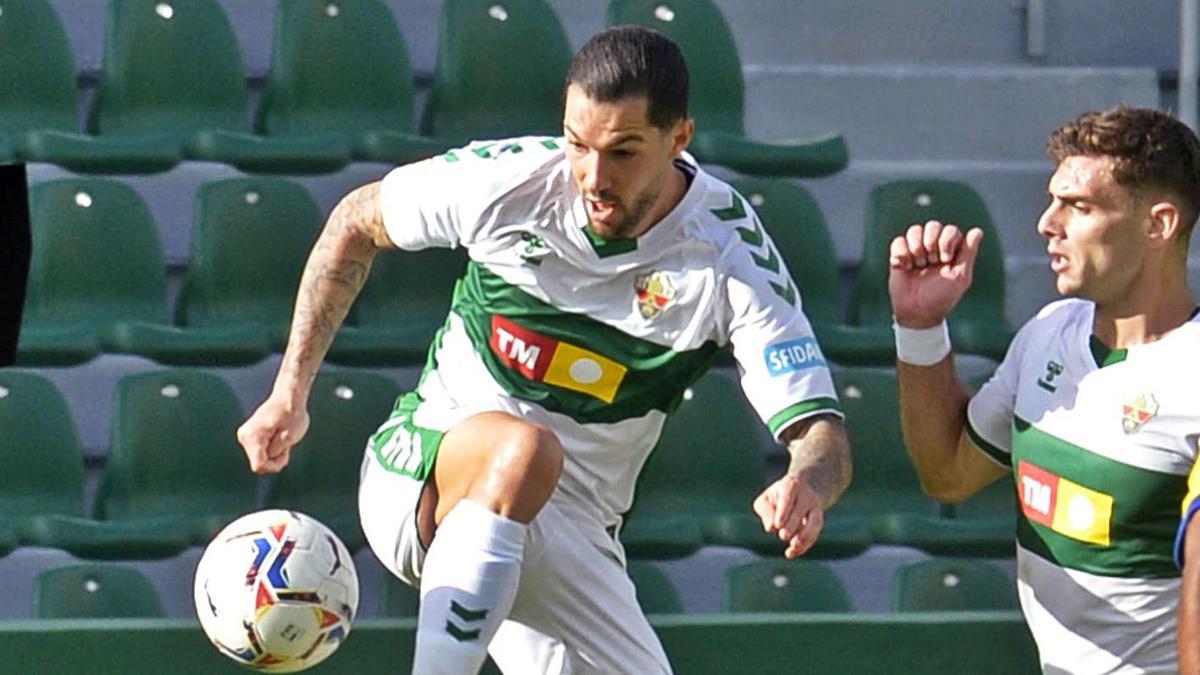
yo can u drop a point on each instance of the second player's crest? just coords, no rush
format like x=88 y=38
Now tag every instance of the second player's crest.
x=1137 y=412
x=654 y=292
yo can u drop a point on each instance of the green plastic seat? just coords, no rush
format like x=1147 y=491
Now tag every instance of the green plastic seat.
x=251 y=238
x=718 y=93
x=174 y=451
x=500 y=70
x=94 y=592
x=42 y=480
x=783 y=586
x=656 y=594
x=702 y=478
x=97 y=281
x=952 y=584
x=796 y=224
x=173 y=76
x=399 y=600
x=885 y=487
x=400 y=309
x=38 y=100
x=343 y=68
x=978 y=324
x=345 y=408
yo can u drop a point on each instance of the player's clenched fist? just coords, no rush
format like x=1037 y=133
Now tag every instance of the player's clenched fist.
x=269 y=434
x=792 y=508
x=931 y=268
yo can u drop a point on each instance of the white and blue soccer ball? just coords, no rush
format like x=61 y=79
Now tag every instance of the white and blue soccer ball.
x=276 y=591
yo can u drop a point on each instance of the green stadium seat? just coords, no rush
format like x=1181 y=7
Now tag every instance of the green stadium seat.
x=500 y=70
x=701 y=480
x=655 y=592
x=42 y=481
x=718 y=93
x=251 y=238
x=783 y=586
x=885 y=487
x=794 y=220
x=38 y=100
x=343 y=68
x=174 y=451
x=173 y=76
x=94 y=592
x=345 y=408
x=399 y=600
x=978 y=325
x=97 y=281
x=952 y=584
x=400 y=309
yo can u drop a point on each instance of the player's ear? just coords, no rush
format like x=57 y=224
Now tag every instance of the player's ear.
x=681 y=135
x=1165 y=222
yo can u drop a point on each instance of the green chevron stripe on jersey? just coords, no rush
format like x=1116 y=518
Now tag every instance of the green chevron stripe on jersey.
x=636 y=376
x=753 y=236
x=1145 y=509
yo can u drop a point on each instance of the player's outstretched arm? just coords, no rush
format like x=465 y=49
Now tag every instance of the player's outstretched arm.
x=931 y=269
x=1188 y=636
x=334 y=275
x=794 y=506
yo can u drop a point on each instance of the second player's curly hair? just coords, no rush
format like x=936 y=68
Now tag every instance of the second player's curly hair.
x=1149 y=148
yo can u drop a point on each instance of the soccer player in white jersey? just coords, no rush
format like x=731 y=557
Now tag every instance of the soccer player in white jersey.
x=1093 y=413
x=606 y=269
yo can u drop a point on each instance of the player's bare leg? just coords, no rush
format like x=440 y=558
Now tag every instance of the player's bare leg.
x=494 y=472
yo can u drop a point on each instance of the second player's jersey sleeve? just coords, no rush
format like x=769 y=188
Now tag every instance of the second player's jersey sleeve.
x=990 y=411
x=784 y=374
x=438 y=202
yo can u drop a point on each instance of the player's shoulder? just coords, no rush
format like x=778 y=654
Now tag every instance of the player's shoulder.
x=720 y=215
x=1054 y=319
x=1063 y=311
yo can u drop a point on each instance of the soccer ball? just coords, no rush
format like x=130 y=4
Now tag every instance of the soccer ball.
x=276 y=590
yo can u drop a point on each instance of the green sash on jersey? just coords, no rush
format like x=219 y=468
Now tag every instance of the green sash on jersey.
x=569 y=363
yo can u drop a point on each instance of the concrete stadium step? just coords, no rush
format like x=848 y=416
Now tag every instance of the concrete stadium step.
x=908 y=113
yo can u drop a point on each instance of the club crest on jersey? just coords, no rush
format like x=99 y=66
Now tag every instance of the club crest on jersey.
x=654 y=292
x=1137 y=412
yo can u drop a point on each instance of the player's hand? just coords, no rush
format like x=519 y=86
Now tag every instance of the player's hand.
x=270 y=433
x=931 y=269
x=792 y=508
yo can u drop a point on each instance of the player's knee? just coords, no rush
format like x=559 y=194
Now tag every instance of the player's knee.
x=529 y=458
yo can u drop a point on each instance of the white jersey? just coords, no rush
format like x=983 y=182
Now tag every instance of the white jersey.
x=597 y=339
x=1100 y=454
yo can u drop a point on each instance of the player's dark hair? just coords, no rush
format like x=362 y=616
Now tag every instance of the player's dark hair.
x=1149 y=148
x=633 y=61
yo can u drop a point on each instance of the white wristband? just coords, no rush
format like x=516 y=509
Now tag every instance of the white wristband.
x=922 y=346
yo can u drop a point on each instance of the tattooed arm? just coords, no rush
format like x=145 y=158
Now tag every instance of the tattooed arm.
x=332 y=279
x=794 y=506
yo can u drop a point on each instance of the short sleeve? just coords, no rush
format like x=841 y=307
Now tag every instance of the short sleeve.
x=784 y=373
x=438 y=201
x=990 y=411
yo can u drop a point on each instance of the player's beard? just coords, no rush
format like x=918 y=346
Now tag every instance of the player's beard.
x=625 y=227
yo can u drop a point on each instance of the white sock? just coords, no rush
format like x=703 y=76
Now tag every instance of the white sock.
x=468 y=584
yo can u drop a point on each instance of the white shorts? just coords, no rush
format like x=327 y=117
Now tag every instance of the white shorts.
x=575 y=610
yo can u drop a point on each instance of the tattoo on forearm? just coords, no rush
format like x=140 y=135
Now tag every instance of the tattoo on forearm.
x=334 y=275
x=820 y=452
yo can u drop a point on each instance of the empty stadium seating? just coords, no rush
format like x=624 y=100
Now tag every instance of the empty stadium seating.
x=784 y=586
x=95 y=591
x=500 y=71
x=954 y=584
x=718 y=92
